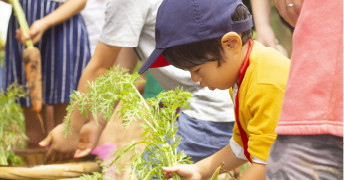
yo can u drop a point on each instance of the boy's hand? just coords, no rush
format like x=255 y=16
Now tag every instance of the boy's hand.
x=60 y=148
x=188 y=172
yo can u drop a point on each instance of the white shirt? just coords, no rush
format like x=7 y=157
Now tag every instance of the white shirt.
x=131 y=23
x=94 y=16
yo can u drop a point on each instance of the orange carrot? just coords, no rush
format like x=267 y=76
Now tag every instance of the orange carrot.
x=33 y=71
x=32 y=61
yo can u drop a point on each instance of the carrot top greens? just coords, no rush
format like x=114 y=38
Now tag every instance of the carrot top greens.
x=158 y=115
x=12 y=125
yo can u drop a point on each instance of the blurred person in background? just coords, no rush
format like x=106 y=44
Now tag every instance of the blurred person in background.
x=59 y=32
x=309 y=144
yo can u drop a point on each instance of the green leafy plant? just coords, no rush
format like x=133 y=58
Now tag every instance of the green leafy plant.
x=12 y=125
x=93 y=176
x=158 y=114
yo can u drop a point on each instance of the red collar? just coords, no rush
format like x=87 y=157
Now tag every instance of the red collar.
x=246 y=62
x=243 y=69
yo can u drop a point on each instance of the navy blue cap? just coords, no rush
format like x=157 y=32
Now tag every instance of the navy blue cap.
x=181 y=22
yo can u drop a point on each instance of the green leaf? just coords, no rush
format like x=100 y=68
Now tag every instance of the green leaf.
x=12 y=125
x=216 y=173
x=159 y=127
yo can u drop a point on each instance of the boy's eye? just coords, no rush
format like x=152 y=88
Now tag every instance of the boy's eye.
x=197 y=70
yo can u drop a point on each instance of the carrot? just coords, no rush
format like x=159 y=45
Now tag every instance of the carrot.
x=33 y=72
x=32 y=61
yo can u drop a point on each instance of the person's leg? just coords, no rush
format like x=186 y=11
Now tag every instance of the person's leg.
x=59 y=113
x=201 y=139
x=49 y=118
x=306 y=157
x=34 y=130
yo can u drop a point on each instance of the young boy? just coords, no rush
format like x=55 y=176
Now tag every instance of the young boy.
x=130 y=25
x=212 y=39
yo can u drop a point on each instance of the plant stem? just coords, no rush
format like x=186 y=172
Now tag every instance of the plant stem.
x=19 y=13
x=139 y=94
x=171 y=162
x=176 y=177
x=145 y=104
x=150 y=172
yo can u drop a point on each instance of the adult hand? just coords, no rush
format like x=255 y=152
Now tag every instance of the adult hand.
x=61 y=148
x=36 y=32
x=266 y=36
x=188 y=172
x=289 y=10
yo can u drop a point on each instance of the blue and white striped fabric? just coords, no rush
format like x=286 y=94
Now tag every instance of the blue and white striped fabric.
x=64 y=49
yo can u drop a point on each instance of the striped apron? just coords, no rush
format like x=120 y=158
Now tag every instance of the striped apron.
x=64 y=49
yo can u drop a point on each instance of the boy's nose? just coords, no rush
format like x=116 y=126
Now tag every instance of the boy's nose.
x=195 y=77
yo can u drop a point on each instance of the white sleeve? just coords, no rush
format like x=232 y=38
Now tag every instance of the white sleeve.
x=239 y=152
x=124 y=21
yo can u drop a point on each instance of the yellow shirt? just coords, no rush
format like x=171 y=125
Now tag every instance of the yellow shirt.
x=260 y=99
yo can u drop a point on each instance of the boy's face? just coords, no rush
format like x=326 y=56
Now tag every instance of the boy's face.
x=225 y=75
x=213 y=76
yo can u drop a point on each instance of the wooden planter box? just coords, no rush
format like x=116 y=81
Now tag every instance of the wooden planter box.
x=36 y=169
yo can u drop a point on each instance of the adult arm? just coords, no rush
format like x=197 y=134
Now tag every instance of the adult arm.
x=86 y=132
x=92 y=134
x=60 y=148
x=261 y=10
x=61 y=14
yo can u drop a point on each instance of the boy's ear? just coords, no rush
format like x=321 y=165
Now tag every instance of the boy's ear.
x=231 y=40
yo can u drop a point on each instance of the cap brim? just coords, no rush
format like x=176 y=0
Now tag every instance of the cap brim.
x=156 y=59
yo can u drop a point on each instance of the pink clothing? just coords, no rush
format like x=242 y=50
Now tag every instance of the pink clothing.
x=313 y=102
x=105 y=151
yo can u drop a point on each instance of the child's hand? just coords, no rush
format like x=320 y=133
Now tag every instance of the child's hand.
x=188 y=172
x=35 y=32
x=89 y=136
x=60 y=148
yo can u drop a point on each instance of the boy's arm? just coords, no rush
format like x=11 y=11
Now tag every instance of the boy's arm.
x=206 y=167
x=255 y=171
x=225 y=156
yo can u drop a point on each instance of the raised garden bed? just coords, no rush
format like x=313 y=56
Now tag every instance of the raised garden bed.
x=37 y=169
